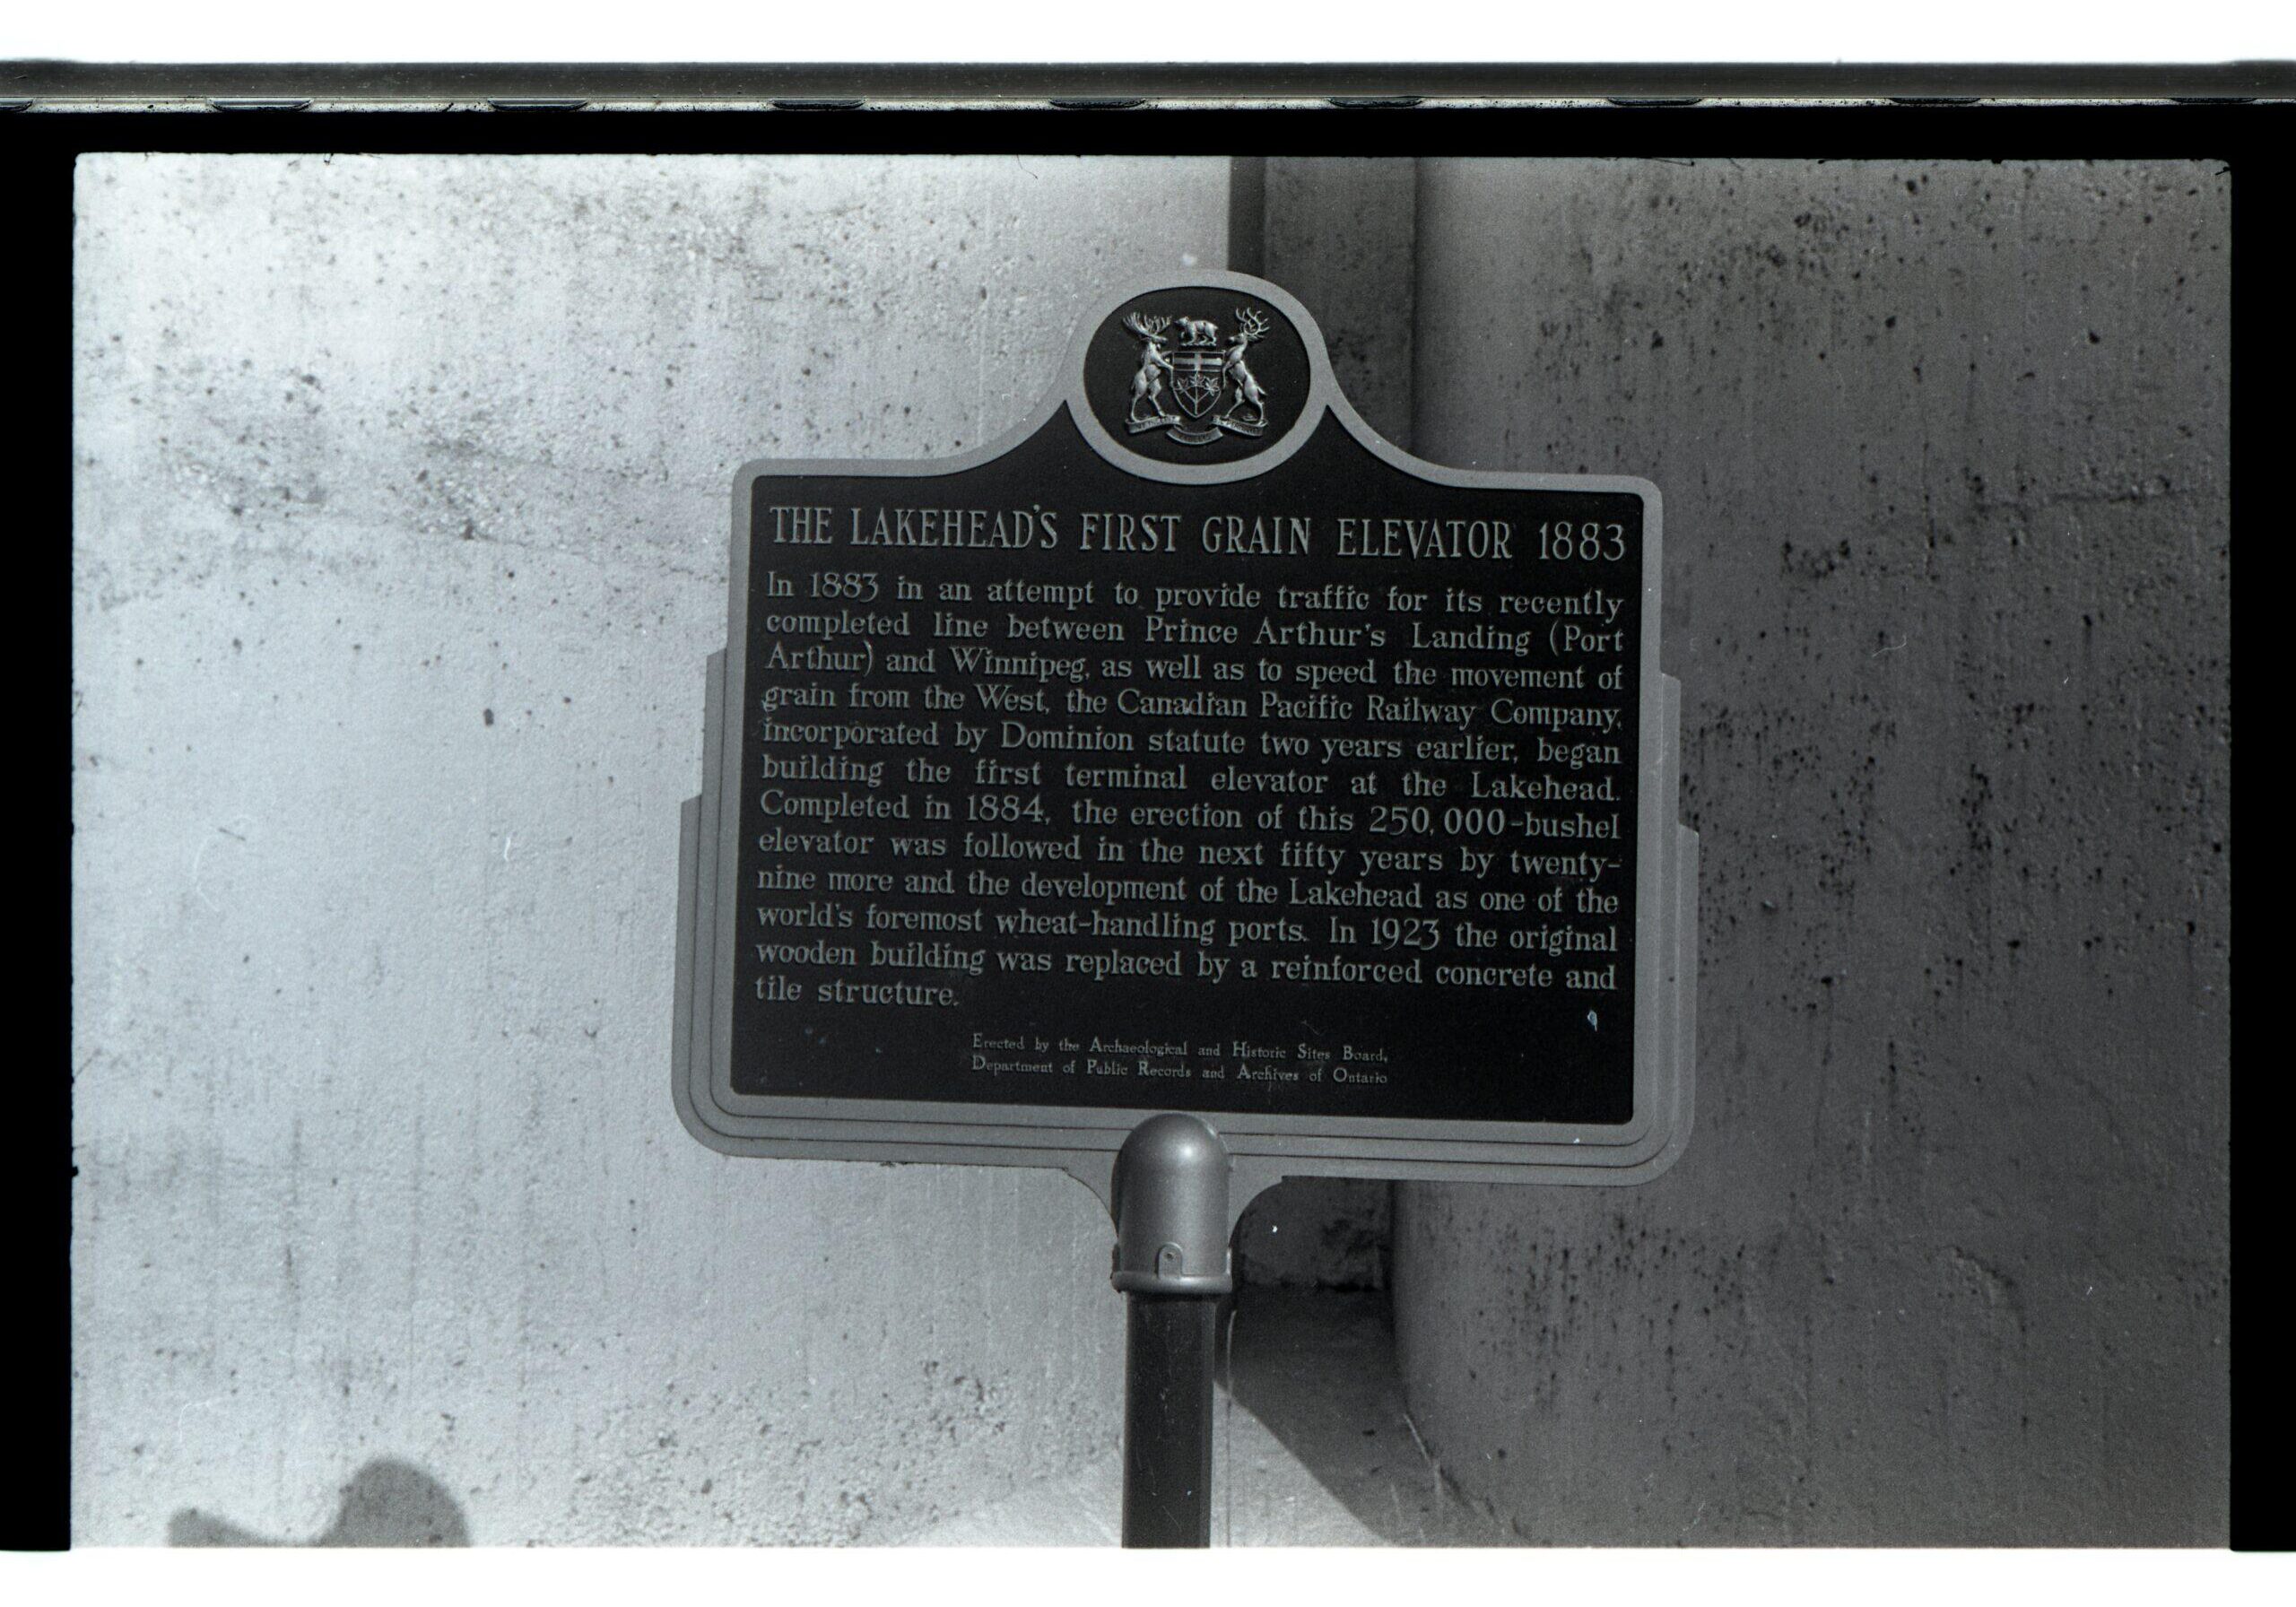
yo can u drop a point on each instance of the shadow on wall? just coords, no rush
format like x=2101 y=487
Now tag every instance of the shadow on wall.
x=1317 y=1368
x=1316 y=1233
x=386 y=1503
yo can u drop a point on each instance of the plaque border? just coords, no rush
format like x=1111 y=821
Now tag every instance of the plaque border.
x=1266 y=1146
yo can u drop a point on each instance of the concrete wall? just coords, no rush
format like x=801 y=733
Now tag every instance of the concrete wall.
x=400 y=539
x=1944 y=455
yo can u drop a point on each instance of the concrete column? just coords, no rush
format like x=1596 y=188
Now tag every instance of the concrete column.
x=1337 y=233
x=400 y=539
x=1341 y=234
x=1943 y=451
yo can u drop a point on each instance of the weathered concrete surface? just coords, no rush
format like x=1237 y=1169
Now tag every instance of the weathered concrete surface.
x=1310 y=1446
x=1944 y=456
x=400 y=539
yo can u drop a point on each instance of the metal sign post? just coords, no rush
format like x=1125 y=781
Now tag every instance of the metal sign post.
x=1191 y=790
x=1172 y=1267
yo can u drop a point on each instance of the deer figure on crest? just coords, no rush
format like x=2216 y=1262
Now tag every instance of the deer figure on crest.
x=1247 y=414
x=1148 y=384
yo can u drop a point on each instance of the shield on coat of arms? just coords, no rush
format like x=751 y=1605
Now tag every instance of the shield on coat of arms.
x=1198 y=377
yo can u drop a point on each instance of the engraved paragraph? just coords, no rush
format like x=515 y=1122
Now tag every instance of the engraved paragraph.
x=1122 y=768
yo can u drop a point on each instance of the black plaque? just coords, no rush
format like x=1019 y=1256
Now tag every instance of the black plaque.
x=1193 y=749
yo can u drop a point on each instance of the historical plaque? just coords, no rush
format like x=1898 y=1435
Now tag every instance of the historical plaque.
x=1193 y=749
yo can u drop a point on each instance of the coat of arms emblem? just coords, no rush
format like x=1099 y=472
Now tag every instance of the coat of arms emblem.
x=1214 y=386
